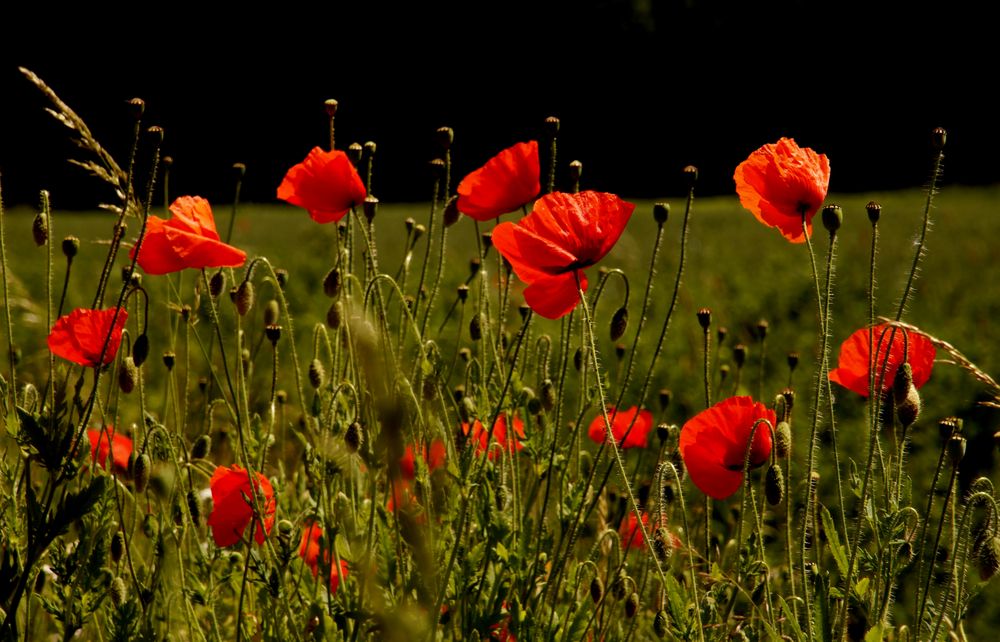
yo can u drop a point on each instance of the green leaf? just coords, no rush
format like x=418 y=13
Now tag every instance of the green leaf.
x=838 y=552
x=875 y=634
x=501 y=552
x=861 y=587
x=790 y=619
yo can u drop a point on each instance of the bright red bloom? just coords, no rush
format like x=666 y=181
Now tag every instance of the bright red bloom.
x=79 y=336
x=187 y=240
x=309 y=552
x=510 y=442
x=854 y=362
x=631 y=535
x=780 y=182
x=620 y=423
x=325 y=183
x=232 y=505
x=550 y=247
x=506 y=182
x=714 y=444
x=434 y=456
x=119 y=448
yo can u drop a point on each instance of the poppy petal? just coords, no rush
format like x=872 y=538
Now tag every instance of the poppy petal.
x=325 y=183
x=187 y=240
x=554 y=297
x=79 y=336
x=506 y=182
x=852 y=371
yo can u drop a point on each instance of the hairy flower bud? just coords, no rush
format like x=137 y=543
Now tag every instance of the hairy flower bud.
x=989 y=558
x=40 y=229
x=774 y=485
x=140 y=472
x=70 y=247
x=631 y=605
x=140 y=350
x=117 y=546
x=596 y=589
x=244 y=298
x=272 y=312
x=217 y=284
x=451 y=213
x=783 y=438
x=201 y=446
x=316 y=373
x=661 y=212
x=476 y=327
x=118 y=592
x=127 y=375
x=619 y=323
x=354 y=438
x=194 y=508
x=335 y=315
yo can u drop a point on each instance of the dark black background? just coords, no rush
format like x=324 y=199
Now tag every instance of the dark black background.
x=642 y=87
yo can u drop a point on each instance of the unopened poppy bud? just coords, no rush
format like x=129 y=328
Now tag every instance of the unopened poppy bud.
x=217 y=284
x=465 y=355
x=524 y=310
x=370 y=208
x=316 y=373
x=70 y=246
x=596 y=589
x=874 y=211
x=989 y=559
x=663 y=431
x=662 y=544
x=273 y=333
x=330 y=105
x=774 y=485
x=618 y=588
x=194 y=508
x=476 y=327
x=335 y=315
x=631 y=605
x=185 y=312
x=908 y=411
x=762 y=327
x=354 y=151
x=949 y=426
x=244 y=298
x=177 y=511
x=704 y=318
x=437 y=168
x=354 y=438
x=905 y=553
x=281 y=397
x=620 y=351
x=156 y=133
x=578 y=359
x=548 y=395
x=140 y=472
x=169 y=358
x=463 y=293
x=272 y=312
x=677 y=461
x=281 y=275
x=487 y=241
x=724 y=371
x=552 y=126
x=127 y=375
x=939 y=137
x=661 y=212
x=140 y=350
x=474 y=266
x=619 y=323
x=721 y=334
x=118 y=592
x=40 y=229
x=739 y=354
x=833 y=218
x=665 y=396
x=691 y=174
x=445 y=137
x=783 y=438
x=117 y=546
x=902 y=382
x=451 y=213
x=201 y=447
x=956 y=449
x=660 y=624
x=235 y=559
x=535 y=406
x=429 y=389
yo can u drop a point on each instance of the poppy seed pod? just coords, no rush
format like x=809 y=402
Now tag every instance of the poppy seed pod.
x=690 y=174
x=316 y=373
x=663 y=432
x=330 y=105
x=127 y=375
x=661 y=212
x=793 y=360
x=774 y=485
x=874 y=211
x=463 y=293
x=704 y=318
x=70 y=247
x=956 y=449
x=354 y=151
x=762 y=327
x=523 y=311
x=575 y=173
x=445 y=137
x=437 y=168
x=201 y=447
x=721 y=334
x=620 y=351
x=370 y=208
x=619 y=323
x=552 y=126
x=136 y=107
x=273 y=334
x=244 y=298
x=939 y=137
x=665 y=396
x=833 y=218
x=596 y=589
x=40 y=229
x=169 y=358
x=217 y=284
x=739 y=354
x=949 y=426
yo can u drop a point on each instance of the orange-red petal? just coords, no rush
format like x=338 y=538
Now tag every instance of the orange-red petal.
x=325 y=183
x=854 y=361
x=79 y=336
x=231 y=507
x=640 y=422
x=187 y=240
x=506 y=182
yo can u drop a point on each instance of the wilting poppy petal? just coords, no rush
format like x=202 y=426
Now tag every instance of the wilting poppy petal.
x=713 y=444
x=79 y=336
x=506 y=182
x=563 y=234
x=120 y=449
x=620 y=422
x=187 y=240
x=309 y=552
x=434 y=457
x=853 y=364
x=781 y=182
x=479 y=434
x=231 y=505
x=631 y=535
x=325 y=183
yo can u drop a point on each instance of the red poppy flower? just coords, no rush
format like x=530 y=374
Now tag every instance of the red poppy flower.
x=714 y=443
x=232 y=500
x=434 y=456
x=549 y=247
x=509 y=441
x=506 y=182
x=79 y=336
x=119 y=448
x=631 y=535
x=853 y=364
x=187 y=240
x=620 y=423
x=780 y=182
x=309 y=552
x=325 y=183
